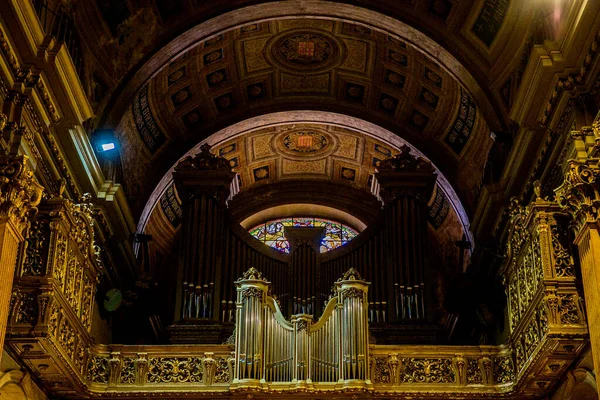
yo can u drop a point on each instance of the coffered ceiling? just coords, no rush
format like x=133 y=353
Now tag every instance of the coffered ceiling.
x=343 y=158
x=303 y=64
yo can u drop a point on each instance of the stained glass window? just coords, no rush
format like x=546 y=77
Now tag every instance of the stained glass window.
x=272 y=233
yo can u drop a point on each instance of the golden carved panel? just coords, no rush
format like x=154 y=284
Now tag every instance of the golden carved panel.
x=260 y=147
x=358 y=56
x=349 y=147
x=292 y=167
x=253 y=55
x=292 y=84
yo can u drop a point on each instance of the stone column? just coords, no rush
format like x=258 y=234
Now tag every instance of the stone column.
x=406 y=183
x=203 y=182
x=19 y=194
x=579 y=195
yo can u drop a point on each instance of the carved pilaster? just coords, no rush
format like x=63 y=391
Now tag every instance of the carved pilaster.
x=488 y=370
x=394 y=365
x=141 y=368
x=460 y=364
x=209 y=365
x=114 y=365
x=19 y=195
x=579 y=195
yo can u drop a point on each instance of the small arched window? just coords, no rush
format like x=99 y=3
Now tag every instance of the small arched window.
x=272 y=233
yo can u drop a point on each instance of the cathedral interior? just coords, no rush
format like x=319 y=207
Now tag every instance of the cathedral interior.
x=256 y=199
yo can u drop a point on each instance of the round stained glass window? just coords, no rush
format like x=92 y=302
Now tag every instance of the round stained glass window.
x=272 y=233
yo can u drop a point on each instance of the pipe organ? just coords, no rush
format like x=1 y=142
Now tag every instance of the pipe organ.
x=269 y=348
x=406 y=185
x=391 y=254
x=204 y=181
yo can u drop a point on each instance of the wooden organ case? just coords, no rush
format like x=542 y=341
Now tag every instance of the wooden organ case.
x=391 y=254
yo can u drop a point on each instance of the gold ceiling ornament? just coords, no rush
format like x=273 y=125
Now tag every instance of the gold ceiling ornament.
x=306 y=50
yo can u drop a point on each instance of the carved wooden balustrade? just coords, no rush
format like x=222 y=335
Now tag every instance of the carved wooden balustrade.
x=546 y=315
x=53 y=294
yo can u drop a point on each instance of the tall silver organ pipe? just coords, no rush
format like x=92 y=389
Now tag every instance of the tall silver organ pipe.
x=269 y=348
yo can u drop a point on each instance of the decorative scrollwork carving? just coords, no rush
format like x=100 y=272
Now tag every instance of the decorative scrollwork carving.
x=542 y=317
x=563 y=262
x=127 y=375
x=174 y=369
x=59 y=269
x=381 y=371
x=222 y=373
x=351 y=275
x=89 y=290
x=474 y=372
x=504 y=371
x=301 y=325
x=423 y=370
x=97 y=370
x=252 y=292
x=531 y=338
x=252 y=274
x=568 y=310
x=79 y=355
x=352 y=293
x=519 y=354
x=26 y=309
x=66 y=336
x=34 y=246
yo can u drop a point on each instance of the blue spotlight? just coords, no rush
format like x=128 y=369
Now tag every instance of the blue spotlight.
x=104 y=141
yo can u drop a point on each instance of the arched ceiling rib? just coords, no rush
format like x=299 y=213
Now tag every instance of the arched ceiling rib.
x=308 y=63
x=457 y=26
x=343 y=152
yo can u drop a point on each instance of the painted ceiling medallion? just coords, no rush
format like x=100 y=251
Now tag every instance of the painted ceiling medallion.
x=308 y=51
x=305 y=142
